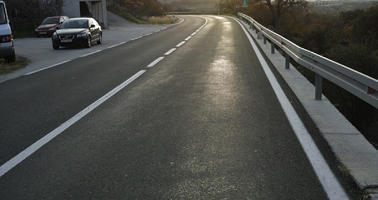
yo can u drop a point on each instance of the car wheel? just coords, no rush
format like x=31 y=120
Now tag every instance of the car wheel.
x=56 y=45
x=89 y=42
x=99 y=39
x=11 y=58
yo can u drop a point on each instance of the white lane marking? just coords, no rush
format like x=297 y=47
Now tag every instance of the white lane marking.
x=147 y=34
x=180 y=44
x=51 y=66
x=116 y=45
x=188 y=38
x=155 y=62
x=170 y=51
x=181 y=21
x=326 y=177
x=136 y=38
x=193 y=34
x=91 y=53
x=47 y=138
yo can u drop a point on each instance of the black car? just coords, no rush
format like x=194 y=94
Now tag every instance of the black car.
x=77 y=32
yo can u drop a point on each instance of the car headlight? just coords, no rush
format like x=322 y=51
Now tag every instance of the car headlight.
x=6 y=38
x=82 y=35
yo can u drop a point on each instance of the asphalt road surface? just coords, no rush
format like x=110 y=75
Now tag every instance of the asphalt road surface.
x=203 y=123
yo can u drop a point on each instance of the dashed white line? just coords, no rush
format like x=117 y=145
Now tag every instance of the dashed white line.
x=180 y=44
x=47 y=138
x=91 y=53
x=136 y=38
x=170 y=51
x=326 y=177
x=116 y=45
x=155 y=62
x=51 y=66
x=188 y=38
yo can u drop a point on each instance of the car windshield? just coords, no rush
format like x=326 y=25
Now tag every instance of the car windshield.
x=51 y=20
x=3 y=17
x=78 y=23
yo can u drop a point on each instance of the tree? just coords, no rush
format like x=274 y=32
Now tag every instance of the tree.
x=280 y=7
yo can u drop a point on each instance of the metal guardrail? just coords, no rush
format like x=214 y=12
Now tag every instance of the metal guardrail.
x=356 y=83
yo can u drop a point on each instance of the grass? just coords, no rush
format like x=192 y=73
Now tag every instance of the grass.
x=24 y=34
x=161 y=19
x=6 y=68
x=143 y=20
x=126 y=15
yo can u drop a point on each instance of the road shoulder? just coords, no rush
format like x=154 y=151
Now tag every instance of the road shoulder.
x=358 y=157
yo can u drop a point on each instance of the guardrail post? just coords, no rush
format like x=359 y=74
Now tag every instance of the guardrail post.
x=287 y=61
x=318 y=87
x=264 y=39
x=272 y=47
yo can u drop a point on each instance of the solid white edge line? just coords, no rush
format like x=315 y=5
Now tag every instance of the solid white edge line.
x=180 y=44
x=170 y=51
x=51 y=66
x=91 y=53
x=155 y=62
x=47 y=138
x=188 y=38
x=325 y=175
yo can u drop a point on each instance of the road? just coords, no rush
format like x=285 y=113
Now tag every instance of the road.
x=203 y=123
x=41 y=54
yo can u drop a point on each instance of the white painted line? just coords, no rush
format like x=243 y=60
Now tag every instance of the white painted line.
x=136 y=38
x=326 y=177
x=181 y=20
x=188 y=38
x=51 y=66
x=47 y=138
x=155 y=62
x=180 y=44
x=170 y=51
x=91 y=53
x=116 y=45
x=147 y=34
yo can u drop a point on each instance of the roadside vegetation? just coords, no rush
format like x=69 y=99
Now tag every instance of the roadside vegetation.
x=350 y=38
x=25 y=16
x=6 y=67
x=161 y=19
x=141 y=11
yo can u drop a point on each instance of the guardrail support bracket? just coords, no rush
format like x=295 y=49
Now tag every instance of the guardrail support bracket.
x=318 y=87
x=259 y=35
x=264 y=39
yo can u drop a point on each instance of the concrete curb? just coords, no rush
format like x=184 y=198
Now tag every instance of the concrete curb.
x=350 y=147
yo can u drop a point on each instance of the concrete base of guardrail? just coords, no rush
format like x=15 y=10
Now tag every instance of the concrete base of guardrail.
x=358 y=156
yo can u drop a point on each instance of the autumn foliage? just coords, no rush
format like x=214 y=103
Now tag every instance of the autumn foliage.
x=139 y=8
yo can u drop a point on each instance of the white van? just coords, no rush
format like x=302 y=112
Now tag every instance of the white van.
x=6 y=38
